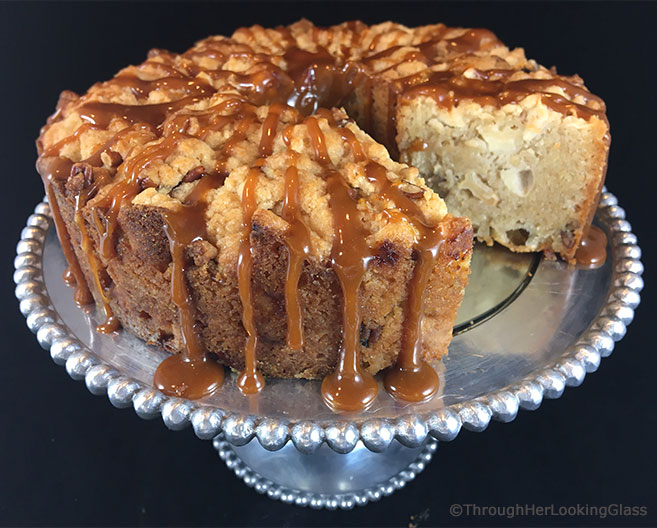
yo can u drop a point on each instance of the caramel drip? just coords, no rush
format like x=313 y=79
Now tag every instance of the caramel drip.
x=375 y=42
x=238 y=136
x=493 y=87
x=418 y=146
x=592 y=251
x=125 y=190
x=177 y=82
x=68 y=277
x=102 y=114
x=349 y=387
x=94 y=161
x=190 y=374
x=211 y=120
x=82 y=294
x=111 y=323
x=57 y=147
x=472 y=40
x=411 y=378
x=356 y=147
x=320 y=80
x=449 y=86
x=318 y=141
x=297 y=240
x=250 y=381
x=269 y=128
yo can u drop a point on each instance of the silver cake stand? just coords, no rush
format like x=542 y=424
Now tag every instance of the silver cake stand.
x=527 y=329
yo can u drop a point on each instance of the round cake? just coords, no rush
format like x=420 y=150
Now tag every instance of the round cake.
x=238 y=202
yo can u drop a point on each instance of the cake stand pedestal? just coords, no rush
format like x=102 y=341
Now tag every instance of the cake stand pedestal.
x=325 y=478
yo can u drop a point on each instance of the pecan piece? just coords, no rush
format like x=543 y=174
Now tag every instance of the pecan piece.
x=194 y=174
x=111 y=158
x=145 y=183
x=354 y=193
x=86 y=170
x=410 y=190
x=568 y=239
x=369 y=335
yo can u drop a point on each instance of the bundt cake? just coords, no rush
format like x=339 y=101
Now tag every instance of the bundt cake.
x=220 y=204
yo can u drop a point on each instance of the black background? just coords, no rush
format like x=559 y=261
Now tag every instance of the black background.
x=68 y=458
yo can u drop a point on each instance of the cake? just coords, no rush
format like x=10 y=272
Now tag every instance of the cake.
x=239 y=201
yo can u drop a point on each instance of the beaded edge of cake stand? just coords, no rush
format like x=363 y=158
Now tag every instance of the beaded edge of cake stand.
x=344 y=501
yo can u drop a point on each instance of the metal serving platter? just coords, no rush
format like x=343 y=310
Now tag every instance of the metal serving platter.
x=527 y=329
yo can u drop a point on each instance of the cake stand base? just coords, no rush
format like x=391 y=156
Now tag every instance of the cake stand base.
x=324 y=478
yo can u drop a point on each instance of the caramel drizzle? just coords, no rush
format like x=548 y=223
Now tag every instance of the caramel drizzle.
x=318 y=141
x=125 y=190
x=319 y=79
x=297 y=240
x=68 y=277
x=492 y=87
x=349 y=387
x=592 y=252
x=111 y=323
x=250 y=381
x=82 y=294
x=269 y=128
x=72 y=275
x=57 y=147
x=411 y=378
x=190 y=374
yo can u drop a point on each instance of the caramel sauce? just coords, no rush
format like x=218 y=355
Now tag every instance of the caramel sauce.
x=319 y=79
x=125 y=190
x=111 y=323
x=592 y=251
x=297 y=240
x=250 y=381
x=82 y=294
x=269 y=128
x=181 y=377
x=449 y=88
x=68 y=277
x=356 y=147
x=57 y=147
x=418 y=146
x=411 y=378
x=318 y=141
x=308 y=82
x=190 y=374
x=349 y=387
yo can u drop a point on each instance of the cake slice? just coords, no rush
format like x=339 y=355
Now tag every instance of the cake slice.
x=513 y=146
